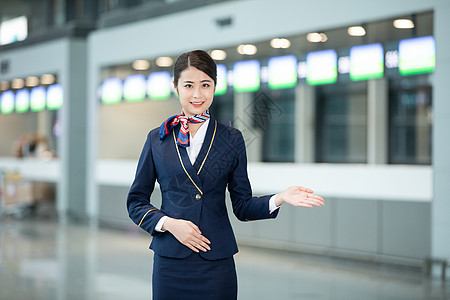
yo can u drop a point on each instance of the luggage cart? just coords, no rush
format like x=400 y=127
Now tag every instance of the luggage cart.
x=15 y=194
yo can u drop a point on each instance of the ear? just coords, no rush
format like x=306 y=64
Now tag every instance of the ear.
x=175 y=88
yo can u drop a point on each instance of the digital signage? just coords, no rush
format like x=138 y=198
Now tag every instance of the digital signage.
x=247 y=76
x=134 y=88
x=111 y=90
x=282 y=72
x=158 y=85
x=417 y=55
x=321 y=67
x=55 y=96
x=366 y=62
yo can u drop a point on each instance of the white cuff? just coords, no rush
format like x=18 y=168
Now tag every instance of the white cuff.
x=160 y=223
x=272 y=206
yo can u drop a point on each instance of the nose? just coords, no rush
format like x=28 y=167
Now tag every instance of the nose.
x=196 y=92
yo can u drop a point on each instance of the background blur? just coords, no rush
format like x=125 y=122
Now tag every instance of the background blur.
x=349 y=98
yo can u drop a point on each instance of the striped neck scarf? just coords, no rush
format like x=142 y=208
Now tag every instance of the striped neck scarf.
x=183 y=135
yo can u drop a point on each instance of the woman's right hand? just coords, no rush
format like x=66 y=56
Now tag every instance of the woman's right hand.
x=187 y=233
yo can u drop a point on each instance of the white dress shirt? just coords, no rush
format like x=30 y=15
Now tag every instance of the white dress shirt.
x=195 y=144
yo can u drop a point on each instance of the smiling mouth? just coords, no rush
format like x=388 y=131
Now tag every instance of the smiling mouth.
x=197 y=103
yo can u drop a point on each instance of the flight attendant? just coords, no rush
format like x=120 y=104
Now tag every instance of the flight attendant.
x=195 y=159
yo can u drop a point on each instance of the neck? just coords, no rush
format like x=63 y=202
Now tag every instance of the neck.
x=193 y=128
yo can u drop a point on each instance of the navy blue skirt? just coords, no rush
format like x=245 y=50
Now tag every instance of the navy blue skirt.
x=193 y=278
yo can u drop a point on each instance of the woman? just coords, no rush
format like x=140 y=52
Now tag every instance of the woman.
x=194 y=159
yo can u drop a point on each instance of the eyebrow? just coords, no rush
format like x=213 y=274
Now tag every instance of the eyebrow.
x=204 y=80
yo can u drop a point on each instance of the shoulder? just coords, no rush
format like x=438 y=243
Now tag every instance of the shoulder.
x=153 y=135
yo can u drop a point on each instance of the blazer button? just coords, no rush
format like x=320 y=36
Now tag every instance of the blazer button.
x=198 y=196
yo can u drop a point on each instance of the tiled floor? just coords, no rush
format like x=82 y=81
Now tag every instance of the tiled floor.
x=48 y=260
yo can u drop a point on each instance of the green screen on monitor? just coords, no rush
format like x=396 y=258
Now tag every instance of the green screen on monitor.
x=55 y=96
x=7 y=102
x=37 y=98
x=417 y=55
x=22 y=101
x=366 y=62
x=111 y=90
x=134 y=88
x=282 y=72
x=246 y=76
x=321 y=67
x=158 y=85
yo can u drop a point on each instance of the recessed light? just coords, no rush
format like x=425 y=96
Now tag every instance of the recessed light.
x=403 y=24
x=356 y=31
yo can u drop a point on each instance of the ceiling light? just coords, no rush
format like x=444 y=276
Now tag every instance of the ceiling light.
x=48 y=79
x=4 y=85
x=356 y=31
x=32 y=81
x=18 y=83
x=247 y=49
x=280 y=43
x=403 y=24
x=140 y=65
x=315 y=37
x=164 y=61
x=218 y=54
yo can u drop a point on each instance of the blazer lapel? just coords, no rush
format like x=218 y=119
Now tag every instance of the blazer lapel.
x=206 y=146
x=185 y=162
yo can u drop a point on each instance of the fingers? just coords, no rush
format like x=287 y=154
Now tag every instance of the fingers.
x=190 y=235
x=304 y=198
x=303 y=189
x=315 y=200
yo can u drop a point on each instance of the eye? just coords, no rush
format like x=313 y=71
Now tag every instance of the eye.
x=206 y=85
x=188 y=85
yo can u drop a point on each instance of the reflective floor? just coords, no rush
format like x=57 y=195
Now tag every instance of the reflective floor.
x=47 y=260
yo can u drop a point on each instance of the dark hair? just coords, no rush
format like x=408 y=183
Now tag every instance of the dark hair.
x=198 y=59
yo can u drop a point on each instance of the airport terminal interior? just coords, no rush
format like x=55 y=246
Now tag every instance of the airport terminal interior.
x=348 y=98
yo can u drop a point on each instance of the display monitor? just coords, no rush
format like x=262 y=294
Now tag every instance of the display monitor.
x=158 y=85
x=13 y=30
x=321 y=67
x=134 y=88
x=111 y=90
x=55 y=96
x=7 y=102
x=417 y=55
x=37 y=98
x=222 y=85
x=22 y=101
x=366 y=62
x=282 y=72
x=247 y=76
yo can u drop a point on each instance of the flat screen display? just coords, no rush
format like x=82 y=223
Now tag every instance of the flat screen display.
x=282 y=72
x=7 y=102
x=55 y=96
x=158 y=85
x=22 y=101
x=111 y=90
x=247 y=76
x=134 y=88
x=366 y=62
x=37 y=98
x=321 y=67
x=221 y=87
x=417 y=55
x=13 y=30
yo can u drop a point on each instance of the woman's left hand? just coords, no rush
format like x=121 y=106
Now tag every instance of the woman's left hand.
x=299 y=196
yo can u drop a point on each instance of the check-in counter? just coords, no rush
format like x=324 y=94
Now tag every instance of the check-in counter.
x=372 y=212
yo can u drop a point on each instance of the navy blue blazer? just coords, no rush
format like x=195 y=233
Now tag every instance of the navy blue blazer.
x=195 y=192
